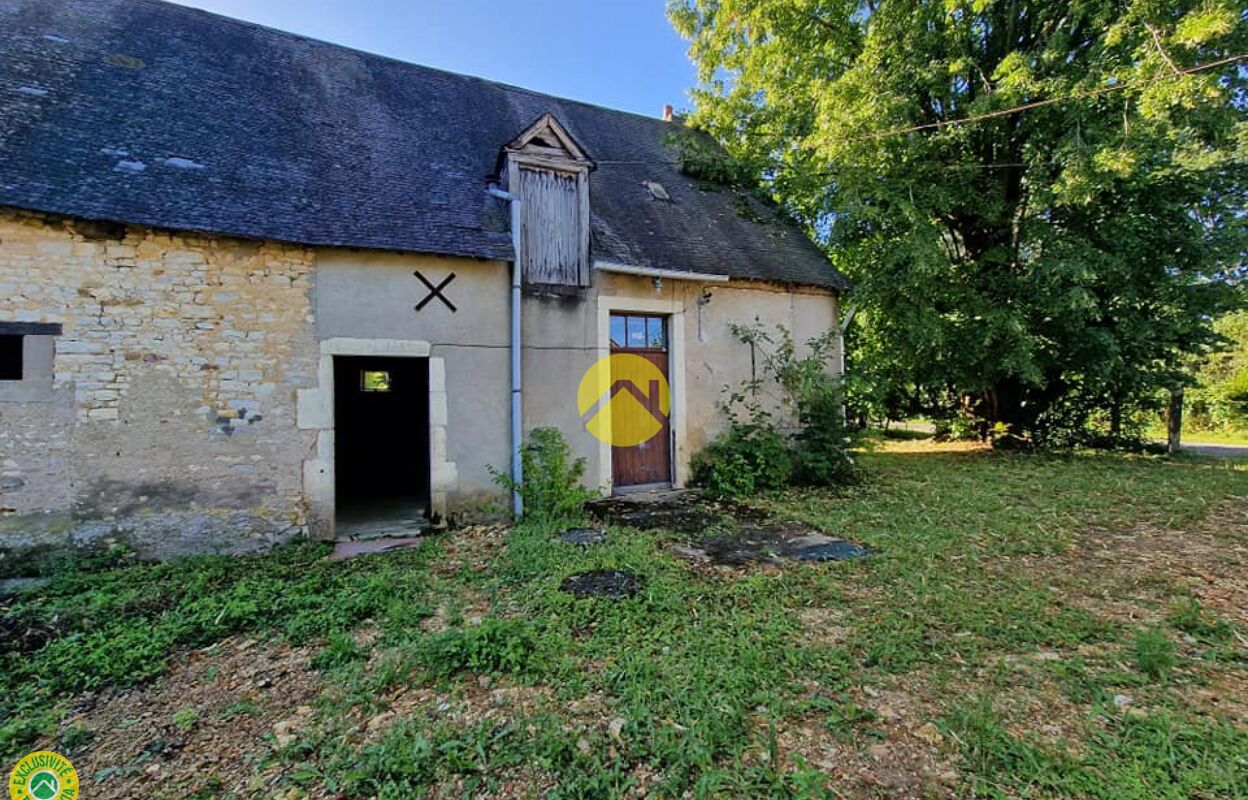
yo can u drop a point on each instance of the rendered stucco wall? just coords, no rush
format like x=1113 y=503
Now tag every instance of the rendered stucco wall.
x=373 y=296
x=717 y=359
x=168 y=425
x=713 y=358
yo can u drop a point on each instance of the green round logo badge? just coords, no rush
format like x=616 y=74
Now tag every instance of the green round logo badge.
x=44 y=785
x=44 y=775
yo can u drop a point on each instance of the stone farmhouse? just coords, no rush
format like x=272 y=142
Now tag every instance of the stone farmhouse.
x=255 y=286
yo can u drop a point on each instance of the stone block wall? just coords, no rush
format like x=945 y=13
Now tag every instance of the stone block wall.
x=169 y=424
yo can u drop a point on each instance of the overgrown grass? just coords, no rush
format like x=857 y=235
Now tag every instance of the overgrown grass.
x=1158 y=757
x=119 y=627
x=695 y=683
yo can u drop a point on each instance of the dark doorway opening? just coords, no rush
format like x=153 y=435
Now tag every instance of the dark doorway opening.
x=381 y=446
x=10 y=357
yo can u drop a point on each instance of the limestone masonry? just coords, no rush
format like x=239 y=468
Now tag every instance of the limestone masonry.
x=167 y=422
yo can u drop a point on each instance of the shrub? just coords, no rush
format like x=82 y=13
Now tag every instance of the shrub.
x=755 y=454
x=956 y=429
x=824 y=441
x=1219 y=401
x=746 y=459
x=551 y=489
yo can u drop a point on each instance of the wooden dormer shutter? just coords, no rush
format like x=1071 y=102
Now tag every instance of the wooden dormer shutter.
x=549 y=174
x=550 y=228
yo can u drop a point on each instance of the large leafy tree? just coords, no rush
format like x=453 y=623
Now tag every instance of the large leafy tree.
x=1043 y=265
x=1220 y=399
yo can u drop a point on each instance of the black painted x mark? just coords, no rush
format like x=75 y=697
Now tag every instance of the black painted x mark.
x=435 y=291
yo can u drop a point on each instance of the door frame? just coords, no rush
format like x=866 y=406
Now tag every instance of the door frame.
x=315 y=412
x=674 y=310
x=666 y=440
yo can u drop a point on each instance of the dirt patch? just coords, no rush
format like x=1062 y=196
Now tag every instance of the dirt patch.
x=741 y=535
x=203 y=725
x=1225 y=693
x=822 y=626
x=612 y=584
x=893 y=745
x=899 y=753
x=472 y=547
x=1207 y=560
x=683 y=511
x=771 y=544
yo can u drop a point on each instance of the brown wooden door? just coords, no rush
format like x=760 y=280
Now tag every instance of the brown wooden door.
x=649 y=462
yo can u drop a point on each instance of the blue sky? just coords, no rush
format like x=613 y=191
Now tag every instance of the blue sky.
x=618 y=53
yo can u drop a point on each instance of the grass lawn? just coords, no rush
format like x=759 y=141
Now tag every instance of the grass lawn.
x=1029 y=626
x=1232 y=437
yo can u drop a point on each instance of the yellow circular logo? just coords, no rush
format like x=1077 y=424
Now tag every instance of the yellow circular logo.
x=629 y=397
x=43 y=776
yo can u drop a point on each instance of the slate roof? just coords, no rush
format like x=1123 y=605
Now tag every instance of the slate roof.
x=146 y=112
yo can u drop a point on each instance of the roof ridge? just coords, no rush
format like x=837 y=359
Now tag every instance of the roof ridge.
x=284 y=34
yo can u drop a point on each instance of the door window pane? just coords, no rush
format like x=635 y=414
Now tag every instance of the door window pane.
x=636 y=331
x=654 y=329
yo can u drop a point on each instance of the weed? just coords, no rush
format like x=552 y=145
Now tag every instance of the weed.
x=239 y=709
x=397 y=767
x=77 y=736
x=341 y=649
x=1189 y=616
x=185 y=719
x=696 y=686
x=1129 y=758
x=121 y=626
x=1154 y=653
x=848 y=721
x=494 y=646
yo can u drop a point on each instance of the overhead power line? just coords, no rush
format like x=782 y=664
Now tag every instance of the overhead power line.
x=1002 y=112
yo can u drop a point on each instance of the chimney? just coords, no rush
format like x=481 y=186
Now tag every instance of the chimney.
x=667 y=113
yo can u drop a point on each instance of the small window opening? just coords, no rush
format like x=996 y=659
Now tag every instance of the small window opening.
x=374 y=381
x=638 y=332
x=11 y=357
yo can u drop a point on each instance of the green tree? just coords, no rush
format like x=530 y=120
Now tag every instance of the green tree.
x=1220 y=399
x=1042 y=267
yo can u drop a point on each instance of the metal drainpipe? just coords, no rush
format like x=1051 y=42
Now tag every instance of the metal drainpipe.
x=517 y=406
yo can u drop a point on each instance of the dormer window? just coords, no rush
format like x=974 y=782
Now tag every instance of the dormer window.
x=549 y=174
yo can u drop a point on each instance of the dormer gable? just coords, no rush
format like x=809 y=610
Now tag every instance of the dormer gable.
x=548 y=172
x=547 y=140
